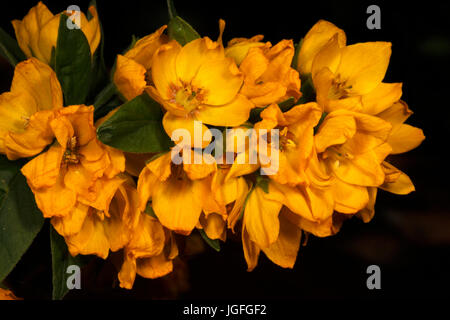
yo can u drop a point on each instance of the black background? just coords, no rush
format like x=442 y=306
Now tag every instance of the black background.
x=409 y=237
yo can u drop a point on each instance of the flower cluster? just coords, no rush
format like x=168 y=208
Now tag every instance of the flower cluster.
x=108 y=182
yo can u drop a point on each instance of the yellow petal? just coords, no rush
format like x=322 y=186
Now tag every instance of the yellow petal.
x=90 y=240
x=363 y=65
x=164 y=69
x=396 y=114
x=148 y=238
x=176 y=206
x=382 y=97
x=72 y=222
x=334 y=131
x=161 y=166
x=129 y=77
x=7 y=295
x=405 y=138
x=362 y=170
x=44 y=170
x=401 y=184
x=329 y=56
x=48 y=37
x=251 y=250
x=261 y=218
x=284 y=251
x=314 y=40
x=321 y=229
x=221 y=80
x=146 y=184
x=196 y=171
x=127 y=273
x=235 y=213
x=232 y=114
x=154 y=267
x=214 y=226
x=144 y=48
x=91 y=29
x=349 y=198
x=239 y=47
x=197 y=130
x=101 y=193
x=367 y=213
x=33 y=140
x=40 y=81
x=15 y=110
x=28 y=30
x=193 y=55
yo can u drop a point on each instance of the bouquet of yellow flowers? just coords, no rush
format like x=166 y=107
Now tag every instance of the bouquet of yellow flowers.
x=184 y=134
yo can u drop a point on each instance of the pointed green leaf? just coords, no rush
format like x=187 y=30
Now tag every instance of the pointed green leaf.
x=73 y=63
x=215 y=244
x=181 y=31
x=263 y=183
x=136 y=127
x=9 y=49
x=20 y=219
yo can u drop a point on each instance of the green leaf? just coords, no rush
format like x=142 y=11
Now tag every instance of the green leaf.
x=136 y=127
x=287 y=104
x=10 y=49
x=73 y=63
x=263 y=183
x=307 y=89
x=20 y=219
x=324 y=115
x=181 y=31
x=105 y=96
x=298 y=46
x=149 y=210
x=215 y=244
x=61 y=259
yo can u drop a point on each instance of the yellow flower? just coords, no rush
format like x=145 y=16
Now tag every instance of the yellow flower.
x=90 y=230
x=353 y=146
x=296 y=139
x=149 y=253
x=347 y=77
x=26 y=111
x=37 y=33
x=71 y=170
x=268 y=76
x=197 y=82
x=265 y=228
x=176 y=192
x=133 y=69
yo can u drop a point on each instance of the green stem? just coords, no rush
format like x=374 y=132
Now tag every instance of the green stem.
x=104 y=96
x=171 y=8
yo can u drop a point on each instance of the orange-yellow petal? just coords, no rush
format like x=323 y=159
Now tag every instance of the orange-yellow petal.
x=313 y=42
x=284 y=251
x=129 y=77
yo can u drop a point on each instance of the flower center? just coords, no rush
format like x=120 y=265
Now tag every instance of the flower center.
x=71 y=154
x=339 y=89
x=177 y=171
x=286 y=139
x=188 y=96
